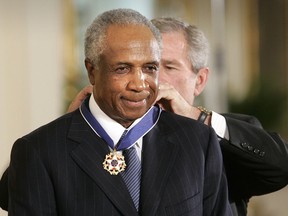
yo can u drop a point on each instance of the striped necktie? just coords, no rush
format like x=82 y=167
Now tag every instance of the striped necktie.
x=132 y=174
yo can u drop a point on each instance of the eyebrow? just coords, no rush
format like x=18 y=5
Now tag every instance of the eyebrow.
x=153 y=62
x=131 y=63
x=174 y=62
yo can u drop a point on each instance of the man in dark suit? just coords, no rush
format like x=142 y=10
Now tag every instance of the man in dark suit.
x=74 y=165
x=256 y=161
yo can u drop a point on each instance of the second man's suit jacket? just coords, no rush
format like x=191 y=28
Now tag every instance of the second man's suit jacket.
x=256 y=161
x=57 y=170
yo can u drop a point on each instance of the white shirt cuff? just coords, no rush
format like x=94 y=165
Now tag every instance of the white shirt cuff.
x=218 y=123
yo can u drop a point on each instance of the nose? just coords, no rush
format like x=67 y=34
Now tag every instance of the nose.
x=137 y=81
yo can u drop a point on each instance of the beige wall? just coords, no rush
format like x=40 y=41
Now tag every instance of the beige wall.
x=31 y=71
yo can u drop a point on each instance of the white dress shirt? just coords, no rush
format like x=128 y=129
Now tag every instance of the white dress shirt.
x=113 y=128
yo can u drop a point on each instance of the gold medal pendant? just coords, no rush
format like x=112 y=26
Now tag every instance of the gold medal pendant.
x=114 y=163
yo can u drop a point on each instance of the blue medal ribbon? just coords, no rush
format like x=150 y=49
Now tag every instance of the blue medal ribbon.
x=139 y=130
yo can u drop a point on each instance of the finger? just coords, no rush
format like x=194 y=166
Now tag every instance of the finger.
x=80 y=97
x=166 y=92
x=85 y=92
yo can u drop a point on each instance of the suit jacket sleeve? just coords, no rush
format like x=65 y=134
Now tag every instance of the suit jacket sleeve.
x=4 y=191
x=30 y=188
x=256 y=161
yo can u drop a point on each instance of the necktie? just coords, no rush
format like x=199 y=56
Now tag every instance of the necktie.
x=132 y=174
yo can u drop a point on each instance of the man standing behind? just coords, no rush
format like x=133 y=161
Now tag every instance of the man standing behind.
x=256 y=162
x=75 y=166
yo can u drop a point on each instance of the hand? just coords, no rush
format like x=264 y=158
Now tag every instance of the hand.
x=80 y=97
x=170 y=100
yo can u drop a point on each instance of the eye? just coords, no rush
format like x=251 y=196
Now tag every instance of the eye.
x=169 y=67
x=122 y=69
x=150 y=69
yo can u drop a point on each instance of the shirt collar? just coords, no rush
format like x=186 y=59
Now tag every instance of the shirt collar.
x=113 y=128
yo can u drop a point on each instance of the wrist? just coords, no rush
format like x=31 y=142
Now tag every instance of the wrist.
x=204 y=116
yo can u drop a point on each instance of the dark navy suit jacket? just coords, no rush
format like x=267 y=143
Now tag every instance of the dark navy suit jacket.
x=256 y=161
x=57 y=170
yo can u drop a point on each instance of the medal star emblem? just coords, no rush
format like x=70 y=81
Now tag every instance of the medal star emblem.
x=114 y=163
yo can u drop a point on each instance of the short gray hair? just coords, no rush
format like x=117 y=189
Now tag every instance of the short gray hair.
x=198 y=45
x=96 y=32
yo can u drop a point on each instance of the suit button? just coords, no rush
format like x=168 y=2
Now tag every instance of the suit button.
x=244 y=144
x=256 y=151
x=262 y=154
x=250 y=148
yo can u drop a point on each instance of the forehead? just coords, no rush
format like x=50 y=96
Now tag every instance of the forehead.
x=174 y=47
x=133 y=40
x=174 y=40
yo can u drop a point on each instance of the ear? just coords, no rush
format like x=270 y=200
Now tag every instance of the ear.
x=201 y=80
x=90 y=70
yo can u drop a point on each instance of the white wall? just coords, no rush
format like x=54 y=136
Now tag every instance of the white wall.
x=31 y=71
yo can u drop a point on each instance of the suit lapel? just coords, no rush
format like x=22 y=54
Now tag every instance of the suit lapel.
x=89 y=155
x=159 y=155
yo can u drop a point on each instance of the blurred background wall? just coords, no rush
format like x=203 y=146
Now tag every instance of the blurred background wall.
x=41 y=63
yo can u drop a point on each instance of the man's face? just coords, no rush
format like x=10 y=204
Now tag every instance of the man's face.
x=175 y=68
x=126 y=84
